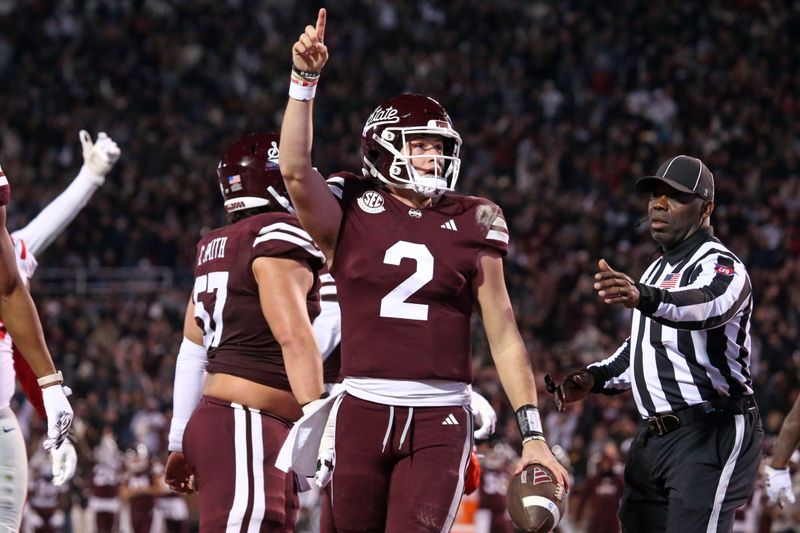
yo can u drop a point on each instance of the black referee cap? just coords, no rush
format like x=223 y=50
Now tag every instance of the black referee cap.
x=684 y=173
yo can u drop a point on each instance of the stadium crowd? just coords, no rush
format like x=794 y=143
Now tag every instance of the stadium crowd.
x=560 y=104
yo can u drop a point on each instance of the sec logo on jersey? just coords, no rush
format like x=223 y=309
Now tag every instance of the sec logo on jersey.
x=371 y=202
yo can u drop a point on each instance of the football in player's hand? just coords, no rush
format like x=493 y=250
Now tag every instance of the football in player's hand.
x=536 y=502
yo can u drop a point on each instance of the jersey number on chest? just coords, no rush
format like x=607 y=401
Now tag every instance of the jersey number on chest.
x=394 y=304
x=210 y=313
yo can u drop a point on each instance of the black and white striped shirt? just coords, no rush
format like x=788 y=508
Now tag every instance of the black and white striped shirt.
x=690 y=334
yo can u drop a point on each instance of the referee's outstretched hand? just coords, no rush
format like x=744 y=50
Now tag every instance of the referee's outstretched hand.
x=615 y=287
x=574 y=388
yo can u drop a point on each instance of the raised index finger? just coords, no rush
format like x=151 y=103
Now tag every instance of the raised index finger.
x=321 y=18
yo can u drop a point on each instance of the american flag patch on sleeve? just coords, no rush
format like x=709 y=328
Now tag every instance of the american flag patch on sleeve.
x=669 y=281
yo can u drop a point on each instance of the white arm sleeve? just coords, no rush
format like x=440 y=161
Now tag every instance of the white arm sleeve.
x=190 y=370
x=52 y=220
x=328 y=327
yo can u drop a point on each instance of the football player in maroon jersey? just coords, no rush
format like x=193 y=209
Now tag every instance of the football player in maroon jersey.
x=498 y=464
x=140 y=487
x=46 y=500
x=106 y=480
x=248 y=326
x=411 y=261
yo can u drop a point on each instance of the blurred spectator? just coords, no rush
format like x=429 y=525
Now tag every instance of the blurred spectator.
x=602 y=493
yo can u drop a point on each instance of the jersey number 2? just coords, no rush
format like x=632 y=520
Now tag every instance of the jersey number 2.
x=394 y=304
x=212 y=324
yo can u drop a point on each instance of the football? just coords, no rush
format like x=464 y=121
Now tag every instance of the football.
x=536 y=502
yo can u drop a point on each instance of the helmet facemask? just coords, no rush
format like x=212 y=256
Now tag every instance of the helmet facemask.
x=402 y=172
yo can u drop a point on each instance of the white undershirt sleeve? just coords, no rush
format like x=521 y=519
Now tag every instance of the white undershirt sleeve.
x=52 y=220
x=328 y=327
x=190 y=370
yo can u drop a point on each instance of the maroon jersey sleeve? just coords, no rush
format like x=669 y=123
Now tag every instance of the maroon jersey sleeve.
x=286 y=238
x=337 y=182
x=5 y=189
x=490 y=218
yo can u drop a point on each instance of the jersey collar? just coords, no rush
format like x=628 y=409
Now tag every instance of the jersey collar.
x=690 y=244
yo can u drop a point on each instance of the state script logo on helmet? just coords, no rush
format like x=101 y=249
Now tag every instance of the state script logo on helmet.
x=385 y=137
x=249 y=175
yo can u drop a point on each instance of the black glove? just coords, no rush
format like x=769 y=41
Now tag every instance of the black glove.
x=575 y=387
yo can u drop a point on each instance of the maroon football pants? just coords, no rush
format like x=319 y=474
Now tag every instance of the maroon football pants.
x=141 y=513
x=232 y=450
x=104 y=522
x=398 y=469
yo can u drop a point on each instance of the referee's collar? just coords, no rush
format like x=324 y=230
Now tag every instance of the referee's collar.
x=689 y=244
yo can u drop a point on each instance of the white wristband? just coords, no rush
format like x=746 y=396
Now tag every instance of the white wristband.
x=302 y=92
x=50 y=378
x=176 y=430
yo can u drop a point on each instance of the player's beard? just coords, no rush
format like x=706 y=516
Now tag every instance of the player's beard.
x=429 y=185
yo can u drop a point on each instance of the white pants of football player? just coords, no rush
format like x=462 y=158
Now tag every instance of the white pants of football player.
x=13 y=472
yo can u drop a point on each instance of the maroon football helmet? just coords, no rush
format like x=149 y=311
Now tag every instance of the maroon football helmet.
x=249 y=175
x=388 y=129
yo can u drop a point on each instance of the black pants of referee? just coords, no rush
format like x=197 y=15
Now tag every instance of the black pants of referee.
x=692 y=479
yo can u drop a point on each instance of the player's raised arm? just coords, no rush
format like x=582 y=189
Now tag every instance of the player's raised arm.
x=99 y=157
x=313 y=202
x=20 y=317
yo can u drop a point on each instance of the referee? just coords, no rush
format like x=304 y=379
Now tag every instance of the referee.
x=687 y=361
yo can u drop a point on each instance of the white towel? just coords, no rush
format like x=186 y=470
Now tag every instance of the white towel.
x=301 y=447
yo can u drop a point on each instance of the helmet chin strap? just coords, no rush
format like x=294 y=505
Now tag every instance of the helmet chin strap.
x=429 y=185
x=284 y=203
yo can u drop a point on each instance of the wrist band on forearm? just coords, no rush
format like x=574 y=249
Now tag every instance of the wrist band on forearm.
x=534 y=437
x=303 y=84
x=529 y=423
x=306 y=75
x=50 y=379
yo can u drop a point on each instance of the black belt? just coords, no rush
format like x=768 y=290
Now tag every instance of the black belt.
x=661 y=424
